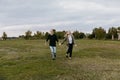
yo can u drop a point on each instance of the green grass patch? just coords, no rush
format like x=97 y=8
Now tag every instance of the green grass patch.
x=31 y=60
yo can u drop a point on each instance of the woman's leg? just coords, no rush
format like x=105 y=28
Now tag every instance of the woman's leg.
x=71 y=48
x=68 y=50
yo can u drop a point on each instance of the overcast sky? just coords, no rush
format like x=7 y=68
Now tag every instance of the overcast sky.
x=18 y=16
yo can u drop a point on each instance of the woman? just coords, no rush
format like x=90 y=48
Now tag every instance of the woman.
x=69 y=38
x=52 y=38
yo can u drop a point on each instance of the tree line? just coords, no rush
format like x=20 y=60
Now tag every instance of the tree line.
x=97 y=33
x=41 y=35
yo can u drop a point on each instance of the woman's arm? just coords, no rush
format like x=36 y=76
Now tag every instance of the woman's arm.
x=65 y=39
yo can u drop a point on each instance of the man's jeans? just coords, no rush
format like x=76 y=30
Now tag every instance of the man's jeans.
x=53 y=51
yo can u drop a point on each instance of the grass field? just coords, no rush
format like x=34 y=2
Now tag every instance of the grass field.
x=31 y=60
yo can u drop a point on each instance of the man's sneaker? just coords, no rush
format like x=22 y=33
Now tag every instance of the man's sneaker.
x=55 y=55
x=53 y=59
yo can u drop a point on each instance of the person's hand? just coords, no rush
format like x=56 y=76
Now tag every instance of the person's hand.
x=75 y=45
x=59 y=44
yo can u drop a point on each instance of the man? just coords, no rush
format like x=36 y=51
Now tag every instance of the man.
x=52 y=38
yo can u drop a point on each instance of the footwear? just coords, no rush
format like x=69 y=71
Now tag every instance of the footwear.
x=66 y=55
x=53 y=59
x=55 y=55
x=70 y=58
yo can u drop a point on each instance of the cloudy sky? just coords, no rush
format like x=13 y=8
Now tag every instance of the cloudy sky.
x=18 y=16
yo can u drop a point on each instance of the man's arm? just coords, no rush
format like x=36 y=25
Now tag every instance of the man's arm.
x=48 y=38
x=57 y=39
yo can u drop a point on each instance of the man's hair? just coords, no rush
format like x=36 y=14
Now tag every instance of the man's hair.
x=54 y=30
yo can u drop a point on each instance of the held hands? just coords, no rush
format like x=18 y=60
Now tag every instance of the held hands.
x=59 y=44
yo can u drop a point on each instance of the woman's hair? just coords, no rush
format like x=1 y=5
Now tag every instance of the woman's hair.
x=68 y=32
x=52 y=31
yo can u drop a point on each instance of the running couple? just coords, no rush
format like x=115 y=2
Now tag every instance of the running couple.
x=52 y=38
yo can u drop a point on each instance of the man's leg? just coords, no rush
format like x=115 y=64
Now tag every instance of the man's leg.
x=52 y=52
